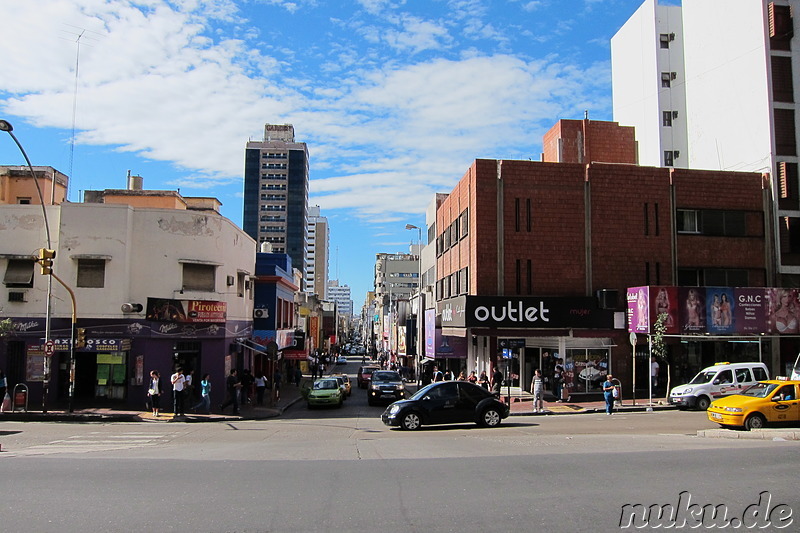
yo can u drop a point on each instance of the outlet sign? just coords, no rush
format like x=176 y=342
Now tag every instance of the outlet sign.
x=524 y=312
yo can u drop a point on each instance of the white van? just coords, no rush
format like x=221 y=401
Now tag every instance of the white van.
x=722 y=379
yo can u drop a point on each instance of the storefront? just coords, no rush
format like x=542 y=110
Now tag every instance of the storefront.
x=520 y=334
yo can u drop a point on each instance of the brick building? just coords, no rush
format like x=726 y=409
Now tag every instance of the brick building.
x=535 y=256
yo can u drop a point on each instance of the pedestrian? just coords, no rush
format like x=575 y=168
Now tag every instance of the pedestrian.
x=3 y=391
x=537 y=389
x=188 y=388
x=472 y=377
x=205 y=395
x=154 y=391
x=298 y=375
x=654 y=372
x=608 y=393
x=178 y=381
x=437 y=374
x=497 y=381
x=261 y=386
x=232 y=387
x=277 y=380
x=483 y=380
x=247 y=386
x=558 y=379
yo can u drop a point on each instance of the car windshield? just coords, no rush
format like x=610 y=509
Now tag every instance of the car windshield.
x=703 y=377
x=326 y=384
x=368 y=370
x=385 y=376
x=759 y=390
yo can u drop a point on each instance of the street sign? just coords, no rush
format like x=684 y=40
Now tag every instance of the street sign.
x=511 y=343
x=49 y=348
x=633 y=338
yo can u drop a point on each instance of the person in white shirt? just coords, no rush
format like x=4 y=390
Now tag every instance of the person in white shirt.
x=178 y=381
x=654 y=372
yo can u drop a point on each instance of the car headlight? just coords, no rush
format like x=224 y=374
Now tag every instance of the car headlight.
x=374 y=387
x=401 y=387
x=732 y=409
x=687 y=391
x=394 y=409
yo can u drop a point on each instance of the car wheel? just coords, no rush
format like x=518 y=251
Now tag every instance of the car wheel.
x=411 y=421
x=703 y=402
x=490 y=418
x=755 y=421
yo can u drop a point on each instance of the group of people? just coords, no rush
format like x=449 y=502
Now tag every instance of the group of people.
x=483 y=380
x=182 y=391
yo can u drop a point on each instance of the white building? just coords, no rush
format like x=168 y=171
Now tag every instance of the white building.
x=341 y=295
x=725 y=74
x=154 y=288
x=318 y=254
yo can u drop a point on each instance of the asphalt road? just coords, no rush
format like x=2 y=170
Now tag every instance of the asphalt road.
x=341 y=470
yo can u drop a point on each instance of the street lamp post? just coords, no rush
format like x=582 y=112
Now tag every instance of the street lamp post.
x=8 y=128
x=420 y=305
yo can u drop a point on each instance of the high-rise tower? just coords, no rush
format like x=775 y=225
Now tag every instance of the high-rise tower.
x=276 y=192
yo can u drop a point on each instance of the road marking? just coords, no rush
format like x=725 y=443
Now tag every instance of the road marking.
x=93 y=442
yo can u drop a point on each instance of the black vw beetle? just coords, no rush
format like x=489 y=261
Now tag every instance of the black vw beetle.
x=446 y=402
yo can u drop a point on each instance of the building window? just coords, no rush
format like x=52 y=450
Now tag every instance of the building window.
x=665 y=38
x=781 y=27
x=197 y=277
x=787 y=184
x=782 y=85
x=655 y=212
x=666 y=119
x=528 y=213
x=91 y=273
x=688 y=221
x=713 y=277
x=516 y=217
x=667 y=77
x=785 y=137
x=19 y=273
x=670 y=156
x=646 y=220
x=24 y=200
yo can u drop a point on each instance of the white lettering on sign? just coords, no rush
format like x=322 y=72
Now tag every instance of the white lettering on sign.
x=513 y=313
x=749 y=298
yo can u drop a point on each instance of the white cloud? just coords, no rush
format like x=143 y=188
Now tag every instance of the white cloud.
x=383 y=135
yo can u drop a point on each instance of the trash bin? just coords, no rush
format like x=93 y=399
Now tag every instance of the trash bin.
x=20 y=398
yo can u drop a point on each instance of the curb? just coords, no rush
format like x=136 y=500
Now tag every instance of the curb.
x=756 y=434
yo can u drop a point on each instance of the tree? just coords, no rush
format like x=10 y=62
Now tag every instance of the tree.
x=5 y=327
x=659 y=347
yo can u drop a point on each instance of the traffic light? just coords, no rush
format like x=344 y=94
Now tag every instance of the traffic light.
x=80 y=339
x=46 y=260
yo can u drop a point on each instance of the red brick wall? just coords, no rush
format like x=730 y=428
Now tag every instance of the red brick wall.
x=585 y=141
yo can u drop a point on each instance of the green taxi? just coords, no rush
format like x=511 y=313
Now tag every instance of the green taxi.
x=325 y=391
x=771 y=401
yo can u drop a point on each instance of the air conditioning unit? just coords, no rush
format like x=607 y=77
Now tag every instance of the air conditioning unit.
x=230 y=280
x=260 y=313
x=674 y=114
x=607 y=298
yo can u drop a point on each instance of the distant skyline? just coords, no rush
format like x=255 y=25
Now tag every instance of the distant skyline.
x=395 y=99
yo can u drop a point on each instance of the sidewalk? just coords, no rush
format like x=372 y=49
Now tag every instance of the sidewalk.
x=289 y=395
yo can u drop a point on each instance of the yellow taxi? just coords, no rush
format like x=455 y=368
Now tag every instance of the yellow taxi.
x=771 y=401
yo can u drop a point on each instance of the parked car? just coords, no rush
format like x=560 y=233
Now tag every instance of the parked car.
x=775 y=400
x=348 y=387
x=325 y=391
x=447 y=402
x=385 y=385
x=341 y=360
x=364 y=373
x=718 y=381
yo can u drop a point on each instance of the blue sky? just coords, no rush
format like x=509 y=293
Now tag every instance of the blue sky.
x=394 y=98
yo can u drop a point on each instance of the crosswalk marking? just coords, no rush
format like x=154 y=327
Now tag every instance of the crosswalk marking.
x=94 y=442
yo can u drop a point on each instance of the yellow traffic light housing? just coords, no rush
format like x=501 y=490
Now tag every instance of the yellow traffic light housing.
x=45 y=260
x=80 y=339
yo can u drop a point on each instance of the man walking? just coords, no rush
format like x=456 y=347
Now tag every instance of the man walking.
x=231 y=386
x=178 y=384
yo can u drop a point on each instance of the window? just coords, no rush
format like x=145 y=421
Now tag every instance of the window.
x=668 y=158
x=19 y=273
x=666 y=119
x=24 y=200
x=241 y=283
x=785 y=137
x=91 y=273
x=198 y=277
x=464 y=223
x=780 y=26
x=646 y=220
x=528 y=210
x=666 y=79
x=743 y=375
x=516 y=217
x=782 y=85
x=713 y=277
x=665 y=38
x=688 y=221
x=787 y=185
x=760 y=374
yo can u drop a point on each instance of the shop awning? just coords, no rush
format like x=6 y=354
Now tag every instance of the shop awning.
x=18 y=272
